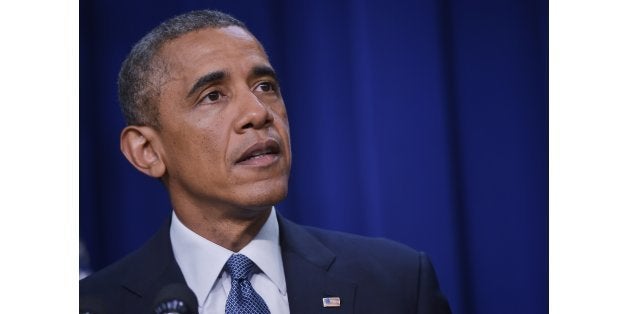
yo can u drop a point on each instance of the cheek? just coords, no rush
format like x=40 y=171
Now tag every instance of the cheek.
x=281 y=112
x=284 y=126
x=209 y=145
x=196 y=149
x=281 y=116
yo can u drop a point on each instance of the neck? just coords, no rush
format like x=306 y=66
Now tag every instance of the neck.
x=232 y=229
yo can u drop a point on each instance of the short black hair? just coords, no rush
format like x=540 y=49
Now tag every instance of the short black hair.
x=142 y=74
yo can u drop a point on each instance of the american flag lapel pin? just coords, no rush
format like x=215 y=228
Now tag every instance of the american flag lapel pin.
x=331 y=302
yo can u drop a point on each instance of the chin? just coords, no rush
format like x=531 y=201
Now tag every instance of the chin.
x=264 y=195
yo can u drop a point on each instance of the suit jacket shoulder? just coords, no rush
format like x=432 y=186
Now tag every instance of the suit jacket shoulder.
x=370 y=275
x=131 y=284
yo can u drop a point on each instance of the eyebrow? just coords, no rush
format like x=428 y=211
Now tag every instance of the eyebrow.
x=206 y=79
x=263 y=70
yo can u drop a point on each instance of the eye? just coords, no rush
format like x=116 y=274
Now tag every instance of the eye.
x=265 y=87
x=211 y=97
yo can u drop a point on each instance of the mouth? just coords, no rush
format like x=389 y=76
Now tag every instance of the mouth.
x=260 y=154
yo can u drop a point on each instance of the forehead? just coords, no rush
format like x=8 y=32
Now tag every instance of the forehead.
x=208 y=49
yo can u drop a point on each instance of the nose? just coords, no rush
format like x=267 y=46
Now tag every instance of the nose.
x=254 y=114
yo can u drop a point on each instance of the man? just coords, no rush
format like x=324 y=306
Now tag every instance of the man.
x=205 y=116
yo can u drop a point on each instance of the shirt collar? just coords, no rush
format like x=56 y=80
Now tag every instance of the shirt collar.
x=265 y=252
x=201 y=261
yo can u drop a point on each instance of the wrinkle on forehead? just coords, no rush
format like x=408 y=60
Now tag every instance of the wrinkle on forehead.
x=182 y=53
x=237 y=32
x=243 y=34
x=218 y=39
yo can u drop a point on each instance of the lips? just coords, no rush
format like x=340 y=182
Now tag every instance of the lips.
x=266 y=150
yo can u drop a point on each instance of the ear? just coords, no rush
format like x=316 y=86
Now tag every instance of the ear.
x=141 y=146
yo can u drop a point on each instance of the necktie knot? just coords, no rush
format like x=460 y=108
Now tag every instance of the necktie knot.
x=242 y=298
x=239 y=267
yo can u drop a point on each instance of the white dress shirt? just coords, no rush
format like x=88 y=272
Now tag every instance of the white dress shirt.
x=202 y=261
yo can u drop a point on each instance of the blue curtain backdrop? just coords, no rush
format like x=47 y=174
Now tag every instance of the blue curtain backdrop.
x=424 y=121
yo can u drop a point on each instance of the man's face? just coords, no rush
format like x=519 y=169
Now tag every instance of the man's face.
x=224 y=129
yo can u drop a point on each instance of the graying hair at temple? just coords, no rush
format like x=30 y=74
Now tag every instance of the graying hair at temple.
x=143 y=73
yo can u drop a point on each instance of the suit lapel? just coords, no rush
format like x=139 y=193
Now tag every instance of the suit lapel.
x=158 y=267
x=307 y=263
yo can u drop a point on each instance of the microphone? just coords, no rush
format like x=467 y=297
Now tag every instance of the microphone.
x=175 y=298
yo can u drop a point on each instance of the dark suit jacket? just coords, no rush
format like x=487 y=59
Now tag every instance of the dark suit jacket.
x=368 y=275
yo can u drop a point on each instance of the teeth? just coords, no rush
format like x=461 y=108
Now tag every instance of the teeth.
x=260 y=153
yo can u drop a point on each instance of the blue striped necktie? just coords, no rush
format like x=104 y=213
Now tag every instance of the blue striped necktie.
x=242 y=298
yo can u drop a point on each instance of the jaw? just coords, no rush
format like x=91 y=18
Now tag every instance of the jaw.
x=247 y=189
x=262 y=193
